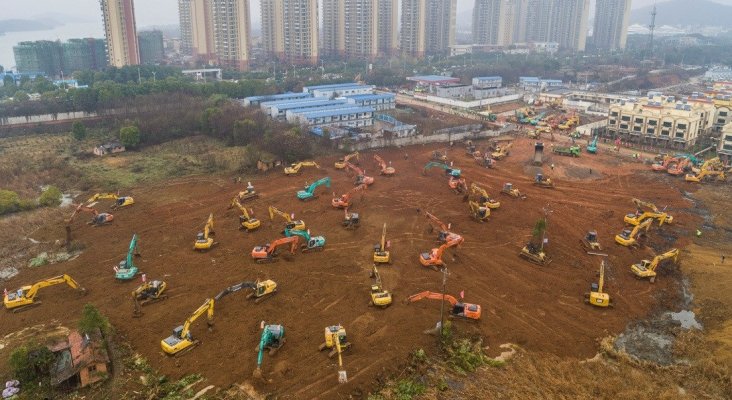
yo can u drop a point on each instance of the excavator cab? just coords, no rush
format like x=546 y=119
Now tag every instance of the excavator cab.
x=466 y=310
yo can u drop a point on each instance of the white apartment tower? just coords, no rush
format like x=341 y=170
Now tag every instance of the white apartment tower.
x=186 y=34
x=120 y=32
x=561 y=21
x=494 y=21
x=611 y=24
x=388 y=27
x=231 y=32
x=290 y=30
x=428 y=26
x=334 y=25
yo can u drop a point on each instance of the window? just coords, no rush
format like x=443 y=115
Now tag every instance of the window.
x=727 y=147
x=636 y=129
x=614 y=114
x=679 y=134
x=613 y=122
x=625 y=118
x=664 y=132
x=666 y=124
x=723 y=113
x=639 y=120
x=720 y=121
x=652 y=122
x=681 y=126
x=650 y=131
x=623 y=126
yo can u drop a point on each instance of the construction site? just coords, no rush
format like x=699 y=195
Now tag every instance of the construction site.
x=207 y=237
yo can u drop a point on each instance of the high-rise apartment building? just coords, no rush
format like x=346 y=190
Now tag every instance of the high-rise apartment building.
x=388 y=27
x=290 y=30
x=611 y=24
x=360 y=28
x=53 y=58
x=120 y=31
x=151 y=47
x=561 y=21
x=186 y=29
x=334 y=25
x=428 y=26
x=201 y=26
x=231 y=32
x=494 y=21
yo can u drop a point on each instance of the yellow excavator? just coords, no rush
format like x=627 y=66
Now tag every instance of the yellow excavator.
x=24 y=298
x=704 y=174
x=291 y=224
x=119 y=201
x=647 y=268
x=478 y=212
x=147 y=293
x=653 y=213
x=246 y=221
x=597 y=297
x=341 y=163
x=484 y=199
x=379 y=296
x=628 y=237
x=501 y=152
x=204 y=240
x=335 y=340
x=261 y=290
x=381 y=254
x=294 y=169
x=182 y=341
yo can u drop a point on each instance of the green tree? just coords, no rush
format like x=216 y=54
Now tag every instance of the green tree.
x=78 y=130
x=92 y=319
x=20 y=96
x=51 y=197
x=9 y=202
x=31 y=363
x=539 y=227
x=129 y=136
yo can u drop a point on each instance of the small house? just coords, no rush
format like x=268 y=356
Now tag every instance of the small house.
x=81 y=360
x=109 y=148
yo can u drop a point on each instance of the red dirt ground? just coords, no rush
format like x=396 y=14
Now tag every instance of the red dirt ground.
x=540 y=308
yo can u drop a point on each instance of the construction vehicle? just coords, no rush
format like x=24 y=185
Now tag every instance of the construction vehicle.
x=597 y=297
x=628 y=237
x=350 y=220
x=294 y=169
x=361 y=177
x=147 y=293
x=535 y=253
x=119 y=201
x=381 y=252
x=272 y=339
x=290 y=222
x=679 y=168
x=664 y=164
x=571 y=151
x=308 y=193
x=542 y=181
x=433 y=259
x=204 y=240
x=438 y=155
x=478 y=212
x=454 y=172
x=182 y=341
x=443 y=230
x=592 y=146
x=484 y=160
x=704 y=174
x=97 y=220
x=335 y=340
x=512 y=191
x=458 y=185
x=484 y=198
x=312 y=243
x=341 y=163
x=379 y=296
x=246 y=221
x=501 y=152
x=713 y=164
x=344 y=200
x=24 y=298
x=261 y=290
x=590 y=242
x=248 y=194
x=459 y=309
x=538 y=153
x=386 y=170
x=268 y=253
x=470 y=148
x=126 y=268
x=647 y=269
x=654 y=213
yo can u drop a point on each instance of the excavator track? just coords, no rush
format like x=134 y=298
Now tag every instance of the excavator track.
x=187 y=349
x=313 y=249
x=262 y=298
x=25 y=307
x=267 y=260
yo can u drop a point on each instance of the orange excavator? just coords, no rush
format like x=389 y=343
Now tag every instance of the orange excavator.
x=443 y=230
x=663 y=165
x=97 y=220
x=433 y=259
x=679 y=168
x=268 y=252
x=387 y=170
x=361 y=177
x=458 y=185
x=459 y=309
x=345 y=200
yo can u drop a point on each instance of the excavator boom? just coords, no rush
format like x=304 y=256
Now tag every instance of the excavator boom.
x=181 y=339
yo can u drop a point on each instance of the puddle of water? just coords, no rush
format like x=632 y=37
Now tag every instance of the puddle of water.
x=686 y=318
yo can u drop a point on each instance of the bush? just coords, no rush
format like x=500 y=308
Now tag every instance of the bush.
x=129 y=136
x=9 y=202
x=51 y=197
x=31 y=363
x=78 y=130
x=92 y=319
x=407 y=389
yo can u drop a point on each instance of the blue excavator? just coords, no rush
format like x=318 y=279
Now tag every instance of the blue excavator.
x=126 y=269
x=273 y=337
x=309 y=192
x=592 y=147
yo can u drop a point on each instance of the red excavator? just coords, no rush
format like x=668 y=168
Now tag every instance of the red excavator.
x=433 y=259
x=387 y=170
x=361 y=177
x=97 y=220
x=345 y=200
x=268 y=252
x=459 y=309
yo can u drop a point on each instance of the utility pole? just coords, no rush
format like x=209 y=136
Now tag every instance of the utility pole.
x=442 y=304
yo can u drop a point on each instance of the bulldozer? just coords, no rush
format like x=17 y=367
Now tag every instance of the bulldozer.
x=294 y=169
x=543 y=181
x=468 y=311
x=25 y=297
x=535 y=253
x=268 y=253
x=379 y=296
x=335 y=340
x=647 y=268
x=248 y=194
x=182 y=341
x=271 y=340
x=597 y=297
x=512 y=191
x=381 y=252
x=246 y=221
x=147 y=293
x=204 y=240
x=501 y=152
x=590 y=242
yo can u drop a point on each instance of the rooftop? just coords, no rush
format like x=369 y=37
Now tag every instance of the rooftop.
x=374 y=96
x=309 y=101
x=327 y=107
x=334 y=86
x=434 y=79
x=488 y=78
x=330 y=113
x=288 y=95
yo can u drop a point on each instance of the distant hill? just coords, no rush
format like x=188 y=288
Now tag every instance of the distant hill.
x=23 y=25
x=684 y=13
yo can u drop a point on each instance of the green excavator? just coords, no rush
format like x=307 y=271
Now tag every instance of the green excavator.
x=273 y=337
x=126 y=269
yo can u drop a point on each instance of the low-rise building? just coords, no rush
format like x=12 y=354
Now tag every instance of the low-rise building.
x=487 y=82
x=254 y=101
x=278 y=109
x=379 y=101
x=717 y=74
x=455 y=91
x=292 y=115
x=724 y=147
x=338 y=90
x=530 y=82
x=352 y=117
x=81 y=360
x=109 y=148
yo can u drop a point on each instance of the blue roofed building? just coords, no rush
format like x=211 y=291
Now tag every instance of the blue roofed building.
x=278 y=109
x=379 y=101
x=351 y=117
x=257 y=100
x=338 y=90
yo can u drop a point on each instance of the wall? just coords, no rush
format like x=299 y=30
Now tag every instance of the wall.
x=468 y=104
x=420 y=139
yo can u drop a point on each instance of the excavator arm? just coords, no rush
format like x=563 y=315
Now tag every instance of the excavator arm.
x=436 y=221
x=292 y=240
x=643 y=225
x=206 y=308
x=454 y=240
x=209 y=226
x=673 y=253
x=57 y=280
x=640 y=204
x=432 y=296
x=235 y=288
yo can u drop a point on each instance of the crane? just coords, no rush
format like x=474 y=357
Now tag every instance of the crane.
x=478 y=212
x=433 y=259
x=204 y=241
x=628 y=237
x=458 y=185
x=261 y=290
x=653 y=213
x=448 y=169
x=350 y=220
x=361 y=177
x=119 y=201
x=290 y=223
x=272 y=339
x=379 y=296
x=345 y=199
x=246 y=219
x=308 y=193
x=597 y=297
x=312 y=243
x=126 y=268
x=24 y=298
x=381 y=252
x=294 y=169
x=147 y=293
x=98 y=218
x=647 y=269
x=484 y=199
x=182 y=341
x=341 y=163
x=459 y=309
x=387 y=170
x=268 y=252
x=501 y=152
